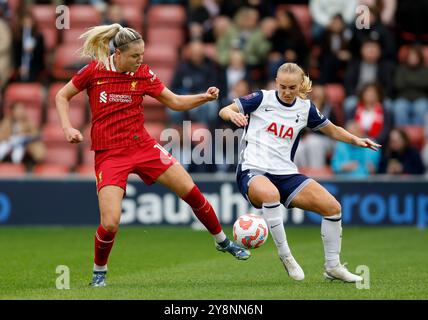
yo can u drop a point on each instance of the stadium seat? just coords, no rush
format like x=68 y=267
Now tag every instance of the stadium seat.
x=50 y=170
x=52 y=132
x=31 y=94
x=44 y=14
x=173 y=37
x=166 y=15
x=45 y=17
x=133 y=16
x=165 y=74
x=67 y=61
x=137 y=5
x=12 y=170
x=302 y=14
x=416 y=135
x=154 y=111
x=84 y=16
x=72 y=35
x=58 y=150
x=50 y=36
x=77 y=106
x=160 y=54
x=65 y=154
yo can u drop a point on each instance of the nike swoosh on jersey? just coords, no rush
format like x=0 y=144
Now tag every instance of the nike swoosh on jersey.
x=101 y=82
x=266 y=109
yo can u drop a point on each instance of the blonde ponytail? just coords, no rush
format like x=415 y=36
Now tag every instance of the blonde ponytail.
x=97 y=40
x=305 y=85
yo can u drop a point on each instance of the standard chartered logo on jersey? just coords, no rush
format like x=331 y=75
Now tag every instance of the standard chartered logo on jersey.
x=124 y=98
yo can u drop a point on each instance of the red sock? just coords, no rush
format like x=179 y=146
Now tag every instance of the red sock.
x=103 y=243
x=203 y=210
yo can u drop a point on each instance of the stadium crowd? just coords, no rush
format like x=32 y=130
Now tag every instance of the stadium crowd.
x=373 y=81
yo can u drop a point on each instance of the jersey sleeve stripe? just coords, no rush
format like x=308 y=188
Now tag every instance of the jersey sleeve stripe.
x=321 y=125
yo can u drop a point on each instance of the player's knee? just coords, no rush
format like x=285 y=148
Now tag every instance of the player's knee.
x=269 y=195
x=333 y=209
x=110 y=226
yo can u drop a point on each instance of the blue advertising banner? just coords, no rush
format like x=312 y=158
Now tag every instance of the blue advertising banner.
x=74 y=202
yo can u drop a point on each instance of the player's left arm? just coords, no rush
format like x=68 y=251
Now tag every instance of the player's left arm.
x=186 y=102
x=340 y=134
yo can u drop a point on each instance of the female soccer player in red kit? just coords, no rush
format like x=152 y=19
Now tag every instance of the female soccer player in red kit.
x=116 y=85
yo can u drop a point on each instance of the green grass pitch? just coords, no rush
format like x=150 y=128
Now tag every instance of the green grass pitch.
x=180 y=263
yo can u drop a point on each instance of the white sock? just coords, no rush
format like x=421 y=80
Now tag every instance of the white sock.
x=273 y=216
x=100 y=268
x=331 y=234
x=219 y=237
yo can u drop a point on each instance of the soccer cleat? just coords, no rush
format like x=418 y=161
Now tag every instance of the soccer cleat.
x=98 y=279
x=340 y=272
x=292 y=267
x=234 y=249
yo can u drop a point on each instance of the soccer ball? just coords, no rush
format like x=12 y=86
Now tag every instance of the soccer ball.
x=250 y=230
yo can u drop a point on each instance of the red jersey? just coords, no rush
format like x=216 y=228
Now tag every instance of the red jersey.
x=116 y=102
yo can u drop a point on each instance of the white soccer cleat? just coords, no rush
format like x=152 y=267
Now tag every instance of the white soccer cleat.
x=340 y=272
x=292 y=267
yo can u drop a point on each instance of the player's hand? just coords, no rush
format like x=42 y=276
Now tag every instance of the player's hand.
x=367 y=143
x=212 y=93
x=239 y=119
x=73 y=135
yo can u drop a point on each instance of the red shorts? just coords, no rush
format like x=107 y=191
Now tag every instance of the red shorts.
x=147 y=159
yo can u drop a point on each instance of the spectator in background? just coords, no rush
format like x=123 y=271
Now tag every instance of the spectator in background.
x=411 y=83
x=200 y=16
x=375 y=121
x=288 y=43
x=399 y=157
x=369 y=68
x=192 y=76
x=29 y=49
x=244 y=34
x=114 y=14
x=234 y=72
x=5 y=50
x=411 y=21
x=323 y=11
x=19 y=137
x=221 y=25
x=377 y=32
x=335 y=51
x=351 y=161
x=314 y=147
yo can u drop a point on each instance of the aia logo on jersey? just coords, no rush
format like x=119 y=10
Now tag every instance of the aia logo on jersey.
x=280 y=131
x=103 y=97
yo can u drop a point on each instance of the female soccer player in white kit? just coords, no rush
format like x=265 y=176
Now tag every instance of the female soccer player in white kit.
x=266 y=174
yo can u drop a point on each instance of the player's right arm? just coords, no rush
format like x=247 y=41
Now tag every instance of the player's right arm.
x=231 y=113
x=62 y=100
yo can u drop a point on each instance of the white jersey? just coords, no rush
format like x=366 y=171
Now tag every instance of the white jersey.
x=272 y=135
